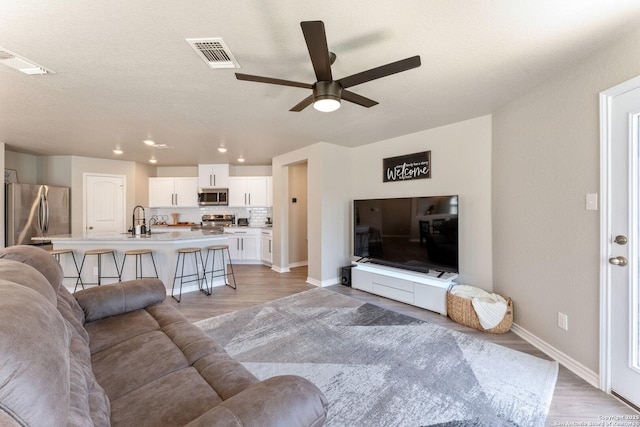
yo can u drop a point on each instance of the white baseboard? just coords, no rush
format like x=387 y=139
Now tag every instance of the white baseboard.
x=568 y=362
x=323 y=283
x=279 y=269
x=298 y=264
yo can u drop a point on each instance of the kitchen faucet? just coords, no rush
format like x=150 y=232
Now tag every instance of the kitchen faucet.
x=137 y=218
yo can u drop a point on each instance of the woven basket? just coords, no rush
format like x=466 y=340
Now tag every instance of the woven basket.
x=460 y=310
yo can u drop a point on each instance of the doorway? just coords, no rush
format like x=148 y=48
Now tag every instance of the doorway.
x=620 y=241
x=297 y=214
x=104 y=203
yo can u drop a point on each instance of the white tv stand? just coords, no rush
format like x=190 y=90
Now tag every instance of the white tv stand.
x=425 y=290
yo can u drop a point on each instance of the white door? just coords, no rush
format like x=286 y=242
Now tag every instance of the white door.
x=104 y=202
x=620 y=218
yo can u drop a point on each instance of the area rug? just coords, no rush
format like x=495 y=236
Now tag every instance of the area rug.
x=381 y=368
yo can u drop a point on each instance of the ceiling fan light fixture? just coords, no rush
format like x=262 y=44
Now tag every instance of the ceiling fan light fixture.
x=326 y=105
x=326 y=96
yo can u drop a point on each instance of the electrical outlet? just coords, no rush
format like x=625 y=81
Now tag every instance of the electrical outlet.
x=563 y=321
x=95 y=271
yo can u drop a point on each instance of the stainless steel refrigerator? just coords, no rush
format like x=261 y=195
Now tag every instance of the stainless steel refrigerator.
x=35 y=211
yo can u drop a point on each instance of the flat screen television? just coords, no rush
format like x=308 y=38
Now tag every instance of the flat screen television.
x=414 y=233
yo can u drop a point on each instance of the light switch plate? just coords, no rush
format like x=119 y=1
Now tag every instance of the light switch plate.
x=591 y=202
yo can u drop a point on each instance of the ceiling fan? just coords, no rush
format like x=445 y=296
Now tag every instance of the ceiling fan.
x=327 y=93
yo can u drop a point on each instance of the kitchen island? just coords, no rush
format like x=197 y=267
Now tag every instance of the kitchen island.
x=164 y=245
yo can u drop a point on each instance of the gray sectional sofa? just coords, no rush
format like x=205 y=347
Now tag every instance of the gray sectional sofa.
x=118 y=355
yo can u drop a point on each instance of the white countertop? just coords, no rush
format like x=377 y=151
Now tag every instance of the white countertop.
x=155 y=236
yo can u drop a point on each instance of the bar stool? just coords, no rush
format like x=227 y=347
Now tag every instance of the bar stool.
x=138 y=253
x=99 y=253
x=56 y=254
x=222 y=271
x=182 y=253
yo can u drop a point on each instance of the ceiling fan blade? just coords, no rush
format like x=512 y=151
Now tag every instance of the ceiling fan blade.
x=303 y=104
x=273 y=81
x=358 y=99
x=382 y=71
x=316 y=40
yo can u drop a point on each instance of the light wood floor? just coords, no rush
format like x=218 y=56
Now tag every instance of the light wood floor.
x=574 y=400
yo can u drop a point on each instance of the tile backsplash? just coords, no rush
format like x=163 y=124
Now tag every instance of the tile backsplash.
x=257 y=216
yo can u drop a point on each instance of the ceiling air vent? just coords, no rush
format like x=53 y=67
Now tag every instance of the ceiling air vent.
x=24 y=65
x=214 y=52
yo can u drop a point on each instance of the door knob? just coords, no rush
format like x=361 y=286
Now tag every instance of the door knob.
x=621 y=240
x=620 y=261
x=90 y=227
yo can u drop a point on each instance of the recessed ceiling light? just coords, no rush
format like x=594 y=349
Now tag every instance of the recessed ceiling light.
x=149 y=142
x=241 y=159
x=222 y=149
x=117 y=151
x=153 y=161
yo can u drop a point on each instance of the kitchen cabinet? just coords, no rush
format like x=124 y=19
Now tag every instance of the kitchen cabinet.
x=173 y=192
x=213 y=176
x=269 y=191
x=244 y=245
x=247 y=191
x=266 y=246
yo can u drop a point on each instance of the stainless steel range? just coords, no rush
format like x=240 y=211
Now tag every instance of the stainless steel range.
x=215 y=223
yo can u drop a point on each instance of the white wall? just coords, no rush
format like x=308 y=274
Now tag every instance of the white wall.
x=170 y=171
x=461 y=164
x=141 y=189
x=81 y=165
x=545 y=160
x=26 y=166
x=237 y=170
x=328 y=210
x=56 y=170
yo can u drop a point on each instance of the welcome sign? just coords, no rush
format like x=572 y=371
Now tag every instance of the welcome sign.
x=404 y=168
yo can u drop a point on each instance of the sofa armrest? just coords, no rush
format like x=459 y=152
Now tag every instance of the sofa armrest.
x=285 y=400
x=118 y=298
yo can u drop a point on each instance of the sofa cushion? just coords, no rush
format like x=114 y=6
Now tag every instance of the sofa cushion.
x=34 y=373
x=114 y=330
x=25 y=275
x=37 y=258
x=174 y=399
x=139 y=360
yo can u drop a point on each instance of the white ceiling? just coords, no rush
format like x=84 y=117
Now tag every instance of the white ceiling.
x=125 y=73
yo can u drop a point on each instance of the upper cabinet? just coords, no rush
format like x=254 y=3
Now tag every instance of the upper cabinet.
x=173 y=192
x=269 y=191
x=213 y=176
x=247 y=191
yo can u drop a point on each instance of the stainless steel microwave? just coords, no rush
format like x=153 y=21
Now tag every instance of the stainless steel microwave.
x=213 y=196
